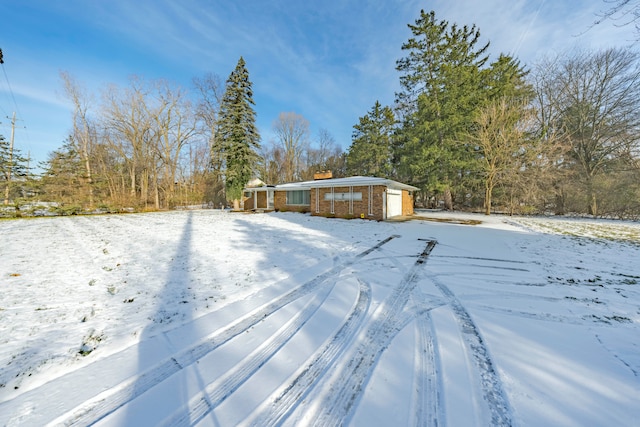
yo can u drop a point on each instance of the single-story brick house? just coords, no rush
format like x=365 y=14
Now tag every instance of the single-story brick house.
x=353 y=197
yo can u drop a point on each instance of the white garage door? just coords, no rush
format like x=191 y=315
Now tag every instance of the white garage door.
x=394 y=203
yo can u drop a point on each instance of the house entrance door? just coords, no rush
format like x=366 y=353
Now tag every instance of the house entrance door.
x=270 y=200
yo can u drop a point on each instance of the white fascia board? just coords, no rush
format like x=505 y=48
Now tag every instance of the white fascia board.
x=362 y=181
x=345 y=182
x=256 y=189
x=294 y=186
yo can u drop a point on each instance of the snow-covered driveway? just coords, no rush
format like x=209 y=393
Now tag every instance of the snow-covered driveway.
x=214 y=318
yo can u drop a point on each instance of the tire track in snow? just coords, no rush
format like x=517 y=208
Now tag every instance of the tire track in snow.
x=111 y=400
x=216 y=392
x=427 y=379
x=289 y=398
x=87 y=250
x=91 y=239
x=475 y=258
x=427 y=409
x=340 y=403
x=541 y=316
x=492 y=392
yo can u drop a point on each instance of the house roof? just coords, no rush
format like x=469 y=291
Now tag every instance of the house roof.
x=346 y=182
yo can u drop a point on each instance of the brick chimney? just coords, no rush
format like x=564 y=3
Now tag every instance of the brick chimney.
x=322 y=175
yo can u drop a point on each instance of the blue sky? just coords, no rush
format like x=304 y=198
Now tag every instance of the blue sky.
x=326 y=60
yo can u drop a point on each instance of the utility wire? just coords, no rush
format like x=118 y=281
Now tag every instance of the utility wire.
x=13 y=97
x=6 y=77
x=4 y=112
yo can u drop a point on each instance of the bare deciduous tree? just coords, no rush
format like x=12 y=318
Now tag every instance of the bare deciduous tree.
x=292 y=131
x=321 y=155
x=591 y=101
x=83 y=135
x=501 y=139
x=174 y=126
x=621 y=12
x=210 y=89
x=128 y=130
x=272 y=164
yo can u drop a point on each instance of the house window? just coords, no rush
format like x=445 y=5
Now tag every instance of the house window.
x=354 y=197
x=298 y=197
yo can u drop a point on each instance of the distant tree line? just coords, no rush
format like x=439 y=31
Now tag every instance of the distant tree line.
x=474 y=134
x=154 y=145
x=145 y=146
x=467 y=131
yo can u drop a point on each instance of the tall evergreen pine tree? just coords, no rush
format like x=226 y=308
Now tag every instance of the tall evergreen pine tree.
x=237 y=132
x=13 y=171
x=370 y=150
x=441 y=82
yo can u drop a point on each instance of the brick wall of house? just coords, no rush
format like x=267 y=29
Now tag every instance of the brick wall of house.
x=341 y=208
x=280 y=203
x=247 y=203
x=262 y=201
x=280 y=200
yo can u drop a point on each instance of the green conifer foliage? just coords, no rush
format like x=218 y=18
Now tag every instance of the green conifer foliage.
x=237 y=132
x=442 y=87
x=370 y=150
x=13 y=171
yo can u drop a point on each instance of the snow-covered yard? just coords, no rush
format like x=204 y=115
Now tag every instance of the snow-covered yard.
x=215 y=318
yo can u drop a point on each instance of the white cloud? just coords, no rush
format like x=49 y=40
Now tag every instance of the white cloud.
x=531 y=29
x=328 y=61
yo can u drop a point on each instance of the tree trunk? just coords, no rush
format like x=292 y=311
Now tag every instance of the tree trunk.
x=511 y=204
x=9 y=169
x=132 y=191
x=448 y=199
x=593 y=204
x=487 y=199
x=144 y=187
x=87 y=166
x=236 y=205
x=560 y=210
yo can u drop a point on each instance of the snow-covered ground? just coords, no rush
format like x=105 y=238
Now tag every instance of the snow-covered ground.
x=216 y=318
